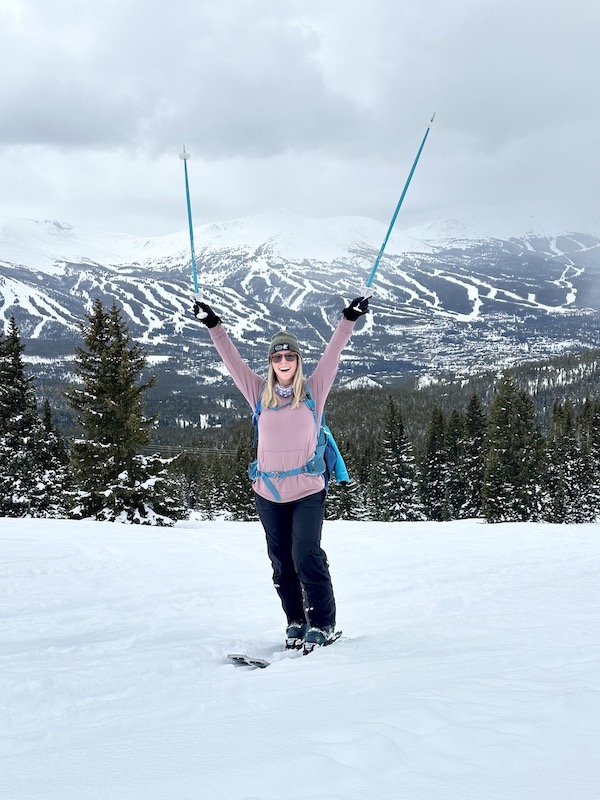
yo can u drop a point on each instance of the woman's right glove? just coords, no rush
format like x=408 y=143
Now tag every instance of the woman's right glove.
x=205 y=314
x=358 y=307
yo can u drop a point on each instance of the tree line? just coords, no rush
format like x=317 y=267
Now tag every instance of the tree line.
x=497 y=465
x=490 y=460
x=102 y=473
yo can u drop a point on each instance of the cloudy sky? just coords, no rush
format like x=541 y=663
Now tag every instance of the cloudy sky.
x=315 y=106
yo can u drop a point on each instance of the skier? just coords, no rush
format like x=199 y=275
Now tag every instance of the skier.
x=291 y=507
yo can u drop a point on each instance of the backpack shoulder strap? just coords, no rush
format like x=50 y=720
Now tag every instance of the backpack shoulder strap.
x=256 y=413
x=309 y=400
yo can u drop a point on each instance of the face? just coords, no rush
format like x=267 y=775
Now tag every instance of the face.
x=285 y=364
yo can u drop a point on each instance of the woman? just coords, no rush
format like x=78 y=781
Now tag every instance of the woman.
x=291 y=507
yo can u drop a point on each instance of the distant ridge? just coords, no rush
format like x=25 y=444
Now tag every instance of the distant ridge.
x=47 y=243
x=447 y=297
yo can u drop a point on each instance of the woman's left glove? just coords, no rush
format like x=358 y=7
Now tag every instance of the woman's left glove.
x=358 y=307
x=205 y=314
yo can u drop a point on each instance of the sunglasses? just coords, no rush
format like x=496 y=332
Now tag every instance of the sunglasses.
x=280 y=356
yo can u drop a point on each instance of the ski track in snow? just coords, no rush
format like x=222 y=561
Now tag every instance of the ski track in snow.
x=470 y=666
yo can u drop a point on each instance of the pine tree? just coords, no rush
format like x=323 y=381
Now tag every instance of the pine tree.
x=512 y=488
x=456 y=491
x=32 y=460
x=55 y=459
x=115 y=481
x=434 y=469
x=474 y=457
x=588 y=428
x=217 y=473
x=399 y=494
x=374 y=496
x=347 y=501
x=563 y=467
x=365 y=461
x=239 y=495
x=17 y=397
x=198 y=475
x=187 y=468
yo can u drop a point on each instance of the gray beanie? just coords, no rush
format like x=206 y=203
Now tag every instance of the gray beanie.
x=283 y=340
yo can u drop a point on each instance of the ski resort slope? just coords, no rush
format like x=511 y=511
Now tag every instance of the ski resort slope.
x=470 y=666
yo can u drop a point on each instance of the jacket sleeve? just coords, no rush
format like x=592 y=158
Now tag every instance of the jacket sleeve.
x=321 y=381
x=246 y=380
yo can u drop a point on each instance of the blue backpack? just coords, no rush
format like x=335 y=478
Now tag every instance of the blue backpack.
x=326 y=461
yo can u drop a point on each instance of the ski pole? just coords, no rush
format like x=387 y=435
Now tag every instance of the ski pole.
x=367 y=290
x=184 y=156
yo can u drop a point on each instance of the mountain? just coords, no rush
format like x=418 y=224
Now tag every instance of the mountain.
x=449 y=295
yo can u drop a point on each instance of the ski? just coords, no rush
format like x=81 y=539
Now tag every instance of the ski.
x=240 y=659
x=244 y=660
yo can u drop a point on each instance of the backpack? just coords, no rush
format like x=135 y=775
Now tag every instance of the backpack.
x=326 y=461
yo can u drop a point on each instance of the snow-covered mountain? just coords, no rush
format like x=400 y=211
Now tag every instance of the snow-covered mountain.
x=448 y=294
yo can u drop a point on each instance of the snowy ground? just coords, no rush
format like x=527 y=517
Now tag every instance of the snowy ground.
x=471 y=667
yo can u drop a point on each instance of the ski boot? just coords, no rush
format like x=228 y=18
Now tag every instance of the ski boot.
x=295 y=633
x=320 y=637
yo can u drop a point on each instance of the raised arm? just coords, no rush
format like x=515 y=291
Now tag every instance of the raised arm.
x=322 y=379
x=246 y=380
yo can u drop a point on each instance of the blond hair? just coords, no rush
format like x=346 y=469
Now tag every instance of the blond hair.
x=269 y=396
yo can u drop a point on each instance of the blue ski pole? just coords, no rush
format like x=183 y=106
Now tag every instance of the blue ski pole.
x=184 y=156
x=367 y=288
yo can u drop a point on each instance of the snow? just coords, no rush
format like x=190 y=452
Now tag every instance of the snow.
x=362 y=382
x=46 y=245
x=470 y=666
x=295 y=237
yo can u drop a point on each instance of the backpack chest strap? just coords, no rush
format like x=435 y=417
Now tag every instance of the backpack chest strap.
x=315 y=466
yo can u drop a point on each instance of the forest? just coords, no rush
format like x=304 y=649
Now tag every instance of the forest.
x=517 y=445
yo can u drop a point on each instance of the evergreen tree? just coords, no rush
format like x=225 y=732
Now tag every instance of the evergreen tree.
x=188 y=469
x=348 y=501
x=202 y=485
x=474 y=457
x=588 y=428
x=363 y=459
x=115 y=481
x=456 y=488
x=434 y=469
x=218 y=474
x=375 y=490
x=17 y=396
x=399 y=497
x=55 y=457
x=512 y=487
x=239 y=495
x=564 y=472
x=32 y=467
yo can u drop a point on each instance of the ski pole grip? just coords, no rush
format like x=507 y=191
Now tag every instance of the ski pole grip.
x=197 y=298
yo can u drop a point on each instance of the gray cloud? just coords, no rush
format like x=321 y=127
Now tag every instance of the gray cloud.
x=316 y=107
x=141 y=74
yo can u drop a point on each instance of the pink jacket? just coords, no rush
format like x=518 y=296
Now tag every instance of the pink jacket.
x=287 y=437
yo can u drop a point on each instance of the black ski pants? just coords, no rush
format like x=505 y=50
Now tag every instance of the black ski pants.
x=300 y=568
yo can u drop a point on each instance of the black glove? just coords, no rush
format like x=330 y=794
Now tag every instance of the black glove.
x=205 y=314
x=358 y=307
